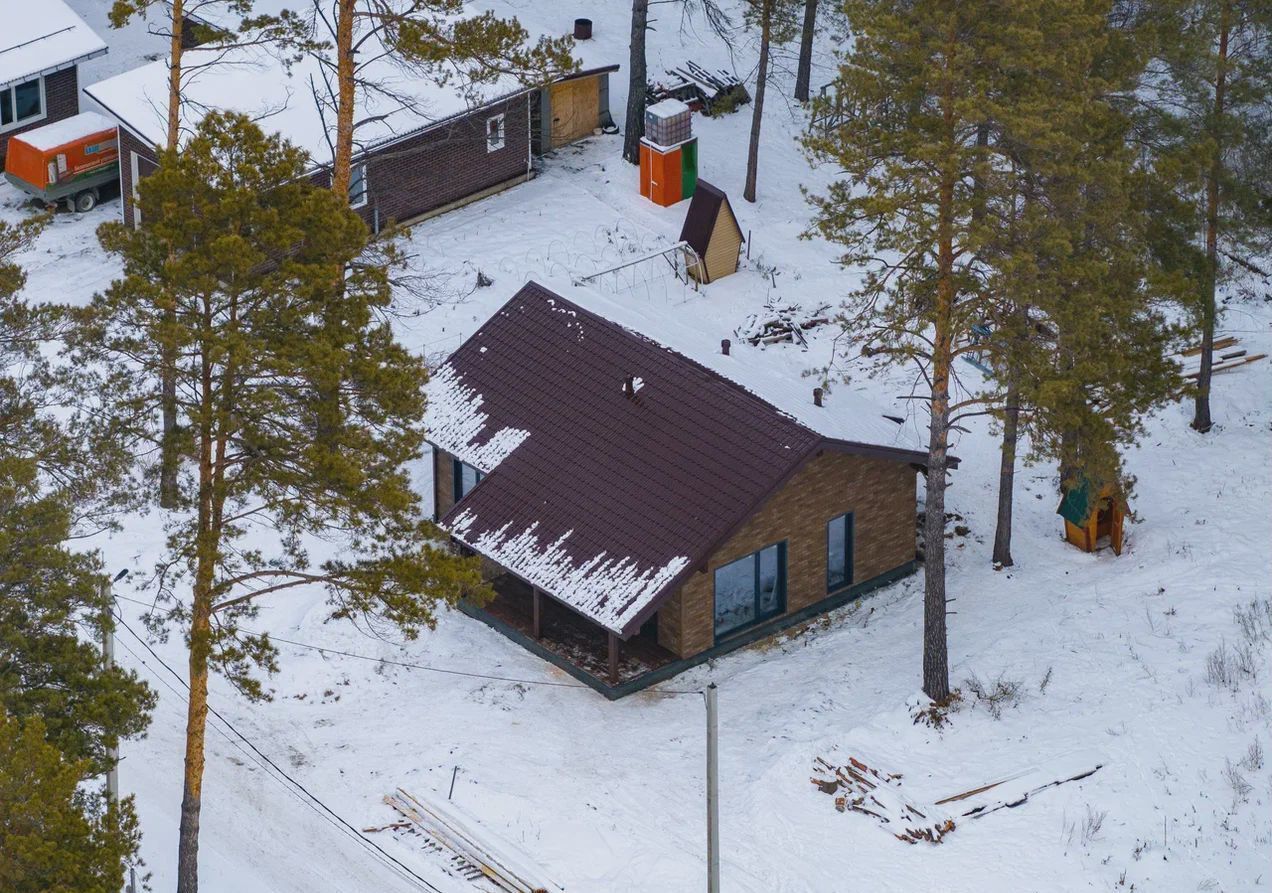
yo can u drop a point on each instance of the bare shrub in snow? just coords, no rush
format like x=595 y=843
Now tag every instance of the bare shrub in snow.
x=1241 y=787
x=1221 y=670
x=1092 y=824
x=1253 y=760
x=997 y=695
x=1046 y=680
x=1255 y=621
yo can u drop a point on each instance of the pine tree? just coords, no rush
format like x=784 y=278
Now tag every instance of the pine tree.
x=435 y=39
x=775 y=20
x=804 y=70
x=1207 y=96
x=55 y=835
x=255 y=278
x=61 y=476
x=186 y=20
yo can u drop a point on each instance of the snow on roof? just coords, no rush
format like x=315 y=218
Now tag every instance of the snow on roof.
x=42 y=37
x=59 y=133
x=457 y=423
x=254 y=82
x=600 y=494
x=610 y=590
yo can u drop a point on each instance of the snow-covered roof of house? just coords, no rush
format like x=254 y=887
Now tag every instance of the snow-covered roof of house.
x=255 y=81
x=41 y=38
x=607 y=500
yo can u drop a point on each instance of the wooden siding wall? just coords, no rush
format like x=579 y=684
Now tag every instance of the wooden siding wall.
x=576 y=109
x=880 y=494
x=61 y=100
x=723 y=248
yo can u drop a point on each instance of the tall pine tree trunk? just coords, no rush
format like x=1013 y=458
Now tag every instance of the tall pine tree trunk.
x=1201 y=411
x=804 y=71
x=637 y=82
x=342 y=163
x=757 y=115
x=169 y=456
x=1007 y=477
x=200 y=639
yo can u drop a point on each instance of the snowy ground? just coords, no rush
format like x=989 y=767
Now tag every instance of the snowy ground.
x=610 y=796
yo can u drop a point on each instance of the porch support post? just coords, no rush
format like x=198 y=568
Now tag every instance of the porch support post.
x=537 y=626
x=613 y=658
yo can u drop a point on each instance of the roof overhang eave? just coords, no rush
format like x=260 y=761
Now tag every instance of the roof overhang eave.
x=53 y=69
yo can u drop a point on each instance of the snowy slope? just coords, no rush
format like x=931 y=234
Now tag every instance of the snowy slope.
x=609 y=796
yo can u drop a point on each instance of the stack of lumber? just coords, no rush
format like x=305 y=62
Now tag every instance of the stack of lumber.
x=702 y=90
x=859 y=788
x=489 y=857
x=1228 y=354
x=780 y=321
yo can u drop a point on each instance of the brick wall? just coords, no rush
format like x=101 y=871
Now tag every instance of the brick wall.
x=61 y=100
x=879 y=493
x=444 y=165
x=146 y=164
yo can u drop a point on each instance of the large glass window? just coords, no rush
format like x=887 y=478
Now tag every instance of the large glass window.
x=21 y=103
x=750 y=589
x=839 y=552
x=466 y=477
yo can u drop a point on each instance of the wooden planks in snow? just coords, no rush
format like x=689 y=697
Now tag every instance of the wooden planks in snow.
x=1228 y=354
x=487 y=856
x=858 y=787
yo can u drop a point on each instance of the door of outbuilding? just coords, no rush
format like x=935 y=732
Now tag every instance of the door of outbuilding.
x=576 y=109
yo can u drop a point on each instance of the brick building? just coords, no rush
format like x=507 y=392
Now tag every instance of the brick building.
x=420 y=149
x=639 y=512
x=41 y=48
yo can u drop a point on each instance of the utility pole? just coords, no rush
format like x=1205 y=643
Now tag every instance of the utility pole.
x=108 y=661
x=713 y=793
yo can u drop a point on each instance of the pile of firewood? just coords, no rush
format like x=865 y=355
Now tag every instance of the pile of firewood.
x=709 y=92
x=859 y=788
x=782 y=321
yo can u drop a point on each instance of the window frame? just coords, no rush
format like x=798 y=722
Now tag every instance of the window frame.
x=759 y=617
x=849 y=535
x=500 y=120
x=457 y=478
x=8 y=93
x=366 y=185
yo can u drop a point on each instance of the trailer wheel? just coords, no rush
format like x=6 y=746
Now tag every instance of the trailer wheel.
x=85 y=201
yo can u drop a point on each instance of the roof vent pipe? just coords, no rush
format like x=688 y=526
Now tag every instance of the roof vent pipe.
x=817 y=396
x=724 y=347
x=629 y=387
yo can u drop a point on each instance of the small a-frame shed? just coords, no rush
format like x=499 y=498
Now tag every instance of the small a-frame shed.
x=1092 y=511
x=712 y=230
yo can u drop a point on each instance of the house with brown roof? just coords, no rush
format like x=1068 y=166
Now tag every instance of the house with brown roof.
x=639 y=512
x=712 y=230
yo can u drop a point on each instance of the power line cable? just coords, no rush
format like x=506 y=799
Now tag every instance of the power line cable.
x=352 y=831
x=323 y=649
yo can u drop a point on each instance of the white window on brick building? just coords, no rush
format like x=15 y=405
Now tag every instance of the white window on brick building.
x=358 y=186
x=22 y=104
x=494 y=133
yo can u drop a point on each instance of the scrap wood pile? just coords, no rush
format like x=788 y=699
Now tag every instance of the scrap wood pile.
x=702 y=90
x=782 y=321
x=858 y=787
x=1228 y=354
x=474 y=854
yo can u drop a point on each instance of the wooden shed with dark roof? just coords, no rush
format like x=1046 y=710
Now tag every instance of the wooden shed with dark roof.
x=638 y=512
x=712 y=230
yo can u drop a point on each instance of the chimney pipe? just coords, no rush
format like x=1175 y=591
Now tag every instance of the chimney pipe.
x=724 y=347
x=817 y=396
x=629 y=387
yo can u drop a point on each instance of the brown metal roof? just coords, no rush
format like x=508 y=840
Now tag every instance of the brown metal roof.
x=704 y=208
x=635 y=491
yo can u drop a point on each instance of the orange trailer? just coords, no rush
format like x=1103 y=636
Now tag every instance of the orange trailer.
x=68 y=160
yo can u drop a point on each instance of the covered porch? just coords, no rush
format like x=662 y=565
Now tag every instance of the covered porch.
x=574 y=643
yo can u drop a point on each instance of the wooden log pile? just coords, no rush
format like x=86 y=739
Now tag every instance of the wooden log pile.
x=1228 y=354
x=781 y=321
x=857 y=787
x=484 y=854
x=709 y=92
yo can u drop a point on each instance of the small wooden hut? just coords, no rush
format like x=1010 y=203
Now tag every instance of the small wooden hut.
x=1092 y=511
x=712 y=230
